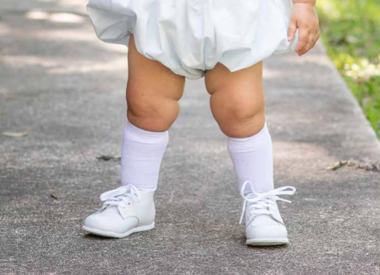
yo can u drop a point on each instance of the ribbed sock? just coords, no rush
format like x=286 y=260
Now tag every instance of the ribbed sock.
x=141 y=156
x=252 y=158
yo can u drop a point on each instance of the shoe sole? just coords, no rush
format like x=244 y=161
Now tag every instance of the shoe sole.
x=267 y=242
x=118 y=235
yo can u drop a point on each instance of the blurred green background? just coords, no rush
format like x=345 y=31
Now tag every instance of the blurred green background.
x=351 y=33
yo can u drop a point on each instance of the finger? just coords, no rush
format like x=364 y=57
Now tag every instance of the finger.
x=302 y=40
x=292 y=29
x=318 y=35
x=313 y=38
x=310 y=44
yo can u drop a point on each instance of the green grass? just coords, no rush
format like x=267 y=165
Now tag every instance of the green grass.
x=351 y=33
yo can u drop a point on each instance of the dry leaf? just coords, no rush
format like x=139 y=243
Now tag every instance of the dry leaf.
x=15 y=135
x=366 y=165
x=338 y=165
x=108 y=158
x=54 y=196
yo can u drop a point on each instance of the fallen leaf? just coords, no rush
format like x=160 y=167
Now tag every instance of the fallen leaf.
x=54 y=196
x=338 y=165
x=367 y=165
x=15 y=135
x=109 y=157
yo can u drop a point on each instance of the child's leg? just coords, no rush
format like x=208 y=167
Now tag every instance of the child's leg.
x=238 y=105
x=152 y=97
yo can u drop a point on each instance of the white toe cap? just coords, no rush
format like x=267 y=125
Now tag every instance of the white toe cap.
x=110 y=220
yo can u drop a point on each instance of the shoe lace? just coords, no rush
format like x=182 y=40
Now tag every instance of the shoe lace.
x=263 y=203
x=120 y=196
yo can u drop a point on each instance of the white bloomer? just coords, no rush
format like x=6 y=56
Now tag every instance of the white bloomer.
x=192 y=36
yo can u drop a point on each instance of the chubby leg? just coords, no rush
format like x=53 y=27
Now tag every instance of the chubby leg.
x=152 y=97
x=238 y=105
x=237 y=99
x=153 y=92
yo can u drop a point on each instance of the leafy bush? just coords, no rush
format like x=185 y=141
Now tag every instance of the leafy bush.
x=351 y=32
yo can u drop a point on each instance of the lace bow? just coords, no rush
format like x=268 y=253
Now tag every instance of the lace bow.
x=261 y=200
x=120 y=196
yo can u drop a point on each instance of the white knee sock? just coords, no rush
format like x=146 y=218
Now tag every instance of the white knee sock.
x=252 y=158
x=141 y=156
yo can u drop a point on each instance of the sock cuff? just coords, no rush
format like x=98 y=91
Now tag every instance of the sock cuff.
x=142 y=135
x=248 y=142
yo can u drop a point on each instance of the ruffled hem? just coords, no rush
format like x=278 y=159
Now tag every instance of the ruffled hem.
x=191 y=36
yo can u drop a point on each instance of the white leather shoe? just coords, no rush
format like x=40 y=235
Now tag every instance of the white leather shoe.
x=125 y=210
x=263 y=223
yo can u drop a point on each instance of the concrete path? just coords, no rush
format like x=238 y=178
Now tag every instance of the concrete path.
x=64 y=87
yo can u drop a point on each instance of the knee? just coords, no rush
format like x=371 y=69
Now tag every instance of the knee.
x=241 y=118
x=156 y=113
x=243 y=112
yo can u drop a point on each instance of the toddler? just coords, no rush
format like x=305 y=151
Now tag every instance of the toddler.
x=224 y=41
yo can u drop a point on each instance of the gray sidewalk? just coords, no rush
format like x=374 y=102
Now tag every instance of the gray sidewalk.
x=66 y=88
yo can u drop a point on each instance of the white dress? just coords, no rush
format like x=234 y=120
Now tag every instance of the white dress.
x=191 y=36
